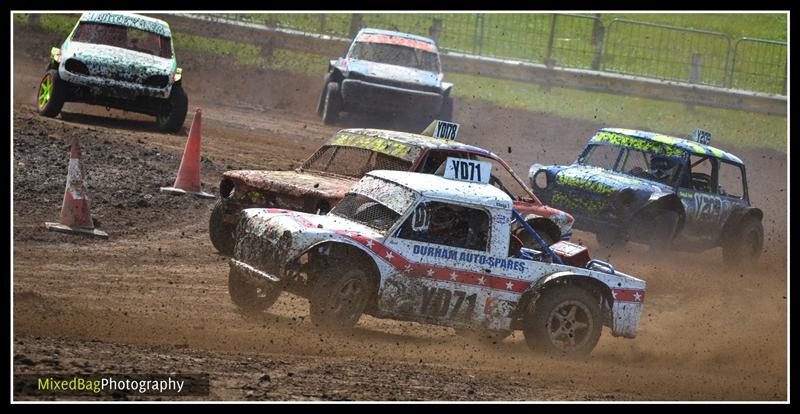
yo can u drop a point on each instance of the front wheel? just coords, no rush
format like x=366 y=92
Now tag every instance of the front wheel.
x=339 y=297
x=529 y=242
x=332 y=104
x=665 y=223
x=746 y=244
x=250 y=296
x=446 y=113
x=51 y=95
x=172 y=121
x=221 y=233
x=565 y=320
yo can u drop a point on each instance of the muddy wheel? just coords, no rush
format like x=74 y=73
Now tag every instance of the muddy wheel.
x=332 y=104
x=483 y=337
x=446 y=112
x=665 y=223
x=249 y=296
x=321 y=102
x=339 y=297
x=50 y=96
x=221 y=233
x=528 y=241
x=179 y=103
x=746 y=244
x=612 y=240
x=565 y=320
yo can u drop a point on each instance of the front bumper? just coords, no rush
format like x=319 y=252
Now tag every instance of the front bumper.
x=114 y=88
x=369 y=96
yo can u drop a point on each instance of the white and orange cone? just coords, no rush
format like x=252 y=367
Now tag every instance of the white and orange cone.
x=75 y=217
x=188 y=180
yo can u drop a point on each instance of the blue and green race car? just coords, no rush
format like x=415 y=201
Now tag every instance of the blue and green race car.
x=669 y=192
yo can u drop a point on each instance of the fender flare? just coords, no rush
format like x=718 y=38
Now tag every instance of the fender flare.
x=536 y=289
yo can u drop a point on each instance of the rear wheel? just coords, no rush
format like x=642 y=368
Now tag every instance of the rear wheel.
x=565 y=320
x=172 y=121
x=340 y=295
x=50 y=96
x=746 y=244
x=221 y=233
x=332 y=103
x=251 y=296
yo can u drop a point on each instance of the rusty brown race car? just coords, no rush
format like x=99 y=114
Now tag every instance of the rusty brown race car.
x=324 y=178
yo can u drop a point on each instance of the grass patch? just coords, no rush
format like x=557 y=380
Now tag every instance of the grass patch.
x=730 y=127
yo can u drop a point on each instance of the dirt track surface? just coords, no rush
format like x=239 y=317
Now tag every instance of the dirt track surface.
x=154 y=296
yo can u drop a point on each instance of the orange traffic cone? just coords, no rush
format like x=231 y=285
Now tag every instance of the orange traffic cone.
x=188 y=181
x=75 y=217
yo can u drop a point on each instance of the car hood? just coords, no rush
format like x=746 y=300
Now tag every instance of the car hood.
x=295 y=183
x=394 y=72
x=600 y=180
x=111 y=61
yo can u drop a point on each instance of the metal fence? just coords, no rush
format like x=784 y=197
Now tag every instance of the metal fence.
x=575 y=41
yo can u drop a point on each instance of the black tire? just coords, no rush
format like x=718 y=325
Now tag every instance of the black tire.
x=172 y=121
x=528 y=241
x=51 y=94
x=322 y=94
x=746 y=244
x=612 y=240
x=483 y=337
x=552 y=325
x=665 y=224
x=251 y=297
x=340 y=295
x=332 y=103
x=446 y=112
x=221 y=233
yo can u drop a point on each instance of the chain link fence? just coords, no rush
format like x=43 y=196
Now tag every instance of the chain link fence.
x=574 y=41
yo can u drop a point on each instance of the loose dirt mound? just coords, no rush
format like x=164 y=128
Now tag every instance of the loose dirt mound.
x=123 y=184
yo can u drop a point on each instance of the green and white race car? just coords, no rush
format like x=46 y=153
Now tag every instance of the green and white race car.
x=118 y=60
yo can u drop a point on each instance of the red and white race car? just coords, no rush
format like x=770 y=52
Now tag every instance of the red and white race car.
x=435 y=249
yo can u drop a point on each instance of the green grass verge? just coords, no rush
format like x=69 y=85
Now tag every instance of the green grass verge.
x=730 y=127
x=632 y=48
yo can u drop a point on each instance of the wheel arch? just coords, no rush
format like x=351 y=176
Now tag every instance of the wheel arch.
x=668 y=202
x=560 y=279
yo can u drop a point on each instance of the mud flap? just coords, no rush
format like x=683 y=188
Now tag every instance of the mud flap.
x=625 y=316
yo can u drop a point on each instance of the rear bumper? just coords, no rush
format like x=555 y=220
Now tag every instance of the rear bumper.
x=358 y=94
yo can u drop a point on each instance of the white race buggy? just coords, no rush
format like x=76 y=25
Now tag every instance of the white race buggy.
x=432 y=249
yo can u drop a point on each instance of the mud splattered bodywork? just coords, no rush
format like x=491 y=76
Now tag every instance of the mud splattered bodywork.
x=420 y=279
x=123 y=61
x=389 y=71
x=624 y=179
x=324 y=178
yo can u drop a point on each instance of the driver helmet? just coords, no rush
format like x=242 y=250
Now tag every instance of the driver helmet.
x=442 y=217
x=660 y=164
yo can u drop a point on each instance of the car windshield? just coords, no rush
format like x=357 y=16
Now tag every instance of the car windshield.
x=395 y=55
x=375 y=202
x=124 y=37
x=352 y=161
x=654 y=166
